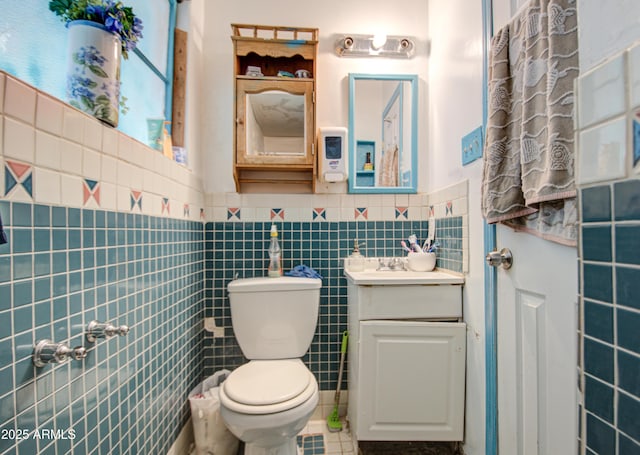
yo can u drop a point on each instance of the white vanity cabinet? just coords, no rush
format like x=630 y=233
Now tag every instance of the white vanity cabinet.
x=407 y=351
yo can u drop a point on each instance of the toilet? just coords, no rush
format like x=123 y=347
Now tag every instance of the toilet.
x=268 y=401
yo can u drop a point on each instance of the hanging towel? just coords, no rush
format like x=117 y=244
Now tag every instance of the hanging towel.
x=389 y=174
x=528 y=179
x=3 y=235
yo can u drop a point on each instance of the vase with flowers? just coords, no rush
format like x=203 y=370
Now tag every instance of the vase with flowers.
x=100 y=32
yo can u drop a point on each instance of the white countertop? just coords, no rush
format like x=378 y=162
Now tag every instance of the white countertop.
x=403 y=277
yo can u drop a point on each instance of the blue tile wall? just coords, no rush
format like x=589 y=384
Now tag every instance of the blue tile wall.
x=64 y=267
x=240 y=248
x=610 y=273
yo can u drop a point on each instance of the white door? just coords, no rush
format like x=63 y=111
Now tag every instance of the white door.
x=537 y=347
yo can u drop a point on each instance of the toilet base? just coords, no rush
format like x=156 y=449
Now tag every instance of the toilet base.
x=288 y=448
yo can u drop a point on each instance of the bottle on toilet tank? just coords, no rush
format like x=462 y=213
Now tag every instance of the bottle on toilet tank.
x=275 y=266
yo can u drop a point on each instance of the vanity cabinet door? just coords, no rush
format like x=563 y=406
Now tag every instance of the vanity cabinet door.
x=411 y=381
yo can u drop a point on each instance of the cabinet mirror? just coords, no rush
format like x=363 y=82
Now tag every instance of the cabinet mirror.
x=383 y=119
x=275 y=125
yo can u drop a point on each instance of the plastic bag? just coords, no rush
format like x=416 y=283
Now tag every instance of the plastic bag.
x=212 y=437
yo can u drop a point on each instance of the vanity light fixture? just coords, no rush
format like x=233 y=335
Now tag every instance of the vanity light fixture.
x=375 y=46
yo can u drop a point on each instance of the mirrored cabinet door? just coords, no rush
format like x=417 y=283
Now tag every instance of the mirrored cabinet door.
x=275 y=122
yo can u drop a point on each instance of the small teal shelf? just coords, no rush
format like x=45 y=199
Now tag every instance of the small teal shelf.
x=364 y=178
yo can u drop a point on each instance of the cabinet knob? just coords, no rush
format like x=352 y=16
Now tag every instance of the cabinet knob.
x=239 y=121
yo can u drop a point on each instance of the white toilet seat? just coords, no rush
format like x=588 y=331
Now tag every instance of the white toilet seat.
x=268 y=386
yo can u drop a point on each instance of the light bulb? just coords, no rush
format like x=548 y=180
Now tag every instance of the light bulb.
x=378 y=41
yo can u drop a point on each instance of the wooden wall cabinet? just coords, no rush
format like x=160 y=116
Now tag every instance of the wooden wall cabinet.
x=275 y=128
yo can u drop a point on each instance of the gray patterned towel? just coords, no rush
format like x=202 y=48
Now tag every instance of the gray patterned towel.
x=528 y=179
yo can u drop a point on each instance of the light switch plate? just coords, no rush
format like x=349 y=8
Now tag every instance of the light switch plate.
x=472 y=146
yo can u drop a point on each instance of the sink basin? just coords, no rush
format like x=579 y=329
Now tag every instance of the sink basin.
x=391 y=278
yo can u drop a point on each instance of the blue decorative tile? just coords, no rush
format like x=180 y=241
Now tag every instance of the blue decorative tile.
x=22 y=294
x=627 y=200
x=58 y=239
x=58 y=216
x=628 y=244
x=598 y=282
x=596 y=243
x=601 y=438
x=628 y=329
x=41 y=240
x=22 y=266
x=636 y=141
x=5 y=297
x=74 y=217
x=596 y=204
x=598 y=321
x=598 y=360
x=628 y=287
x=41 y=215
x=599 y=398
x=629 y=372
x=627 y=446
x=21 y=240
x=628 y=412
x=42 y=288
x=23 y=319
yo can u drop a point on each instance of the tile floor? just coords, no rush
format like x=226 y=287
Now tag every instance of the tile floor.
x=316 y=439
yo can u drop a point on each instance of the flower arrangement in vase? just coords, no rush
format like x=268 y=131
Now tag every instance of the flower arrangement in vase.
x=100 y=31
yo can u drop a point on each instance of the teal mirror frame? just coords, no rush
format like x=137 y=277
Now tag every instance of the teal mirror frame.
x=411 y=186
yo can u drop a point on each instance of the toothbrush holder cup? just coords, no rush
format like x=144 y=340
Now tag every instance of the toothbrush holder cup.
x=421 y=262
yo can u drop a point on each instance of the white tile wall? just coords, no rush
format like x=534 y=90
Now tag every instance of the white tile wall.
x=91 y=164
x=92 y=134
x=634 y=76
x=110 y=142
x=2 y=83
x=606 y=140
x=47 y=150
x=47 y=186
x=64 y=146
x=73 y=124
x=19 y=140
x=70 y=157
x=603 y=152
x=20 y=101
x=49 y=114
x=109 y=169
x=602 y=92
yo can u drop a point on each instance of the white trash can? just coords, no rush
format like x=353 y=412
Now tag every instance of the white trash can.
x=212 y=437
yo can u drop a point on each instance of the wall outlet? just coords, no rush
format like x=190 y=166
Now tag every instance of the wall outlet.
x=472 y=146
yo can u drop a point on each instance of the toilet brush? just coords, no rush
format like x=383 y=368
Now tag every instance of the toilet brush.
x=333 y=420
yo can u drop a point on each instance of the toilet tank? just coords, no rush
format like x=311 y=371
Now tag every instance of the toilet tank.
x=274 y=318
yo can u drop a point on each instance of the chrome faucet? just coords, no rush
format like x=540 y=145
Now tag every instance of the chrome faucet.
x=393 y=264
x=97 y=330
x=46 y=351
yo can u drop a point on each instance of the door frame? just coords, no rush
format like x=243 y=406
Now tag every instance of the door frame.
x=490 y=273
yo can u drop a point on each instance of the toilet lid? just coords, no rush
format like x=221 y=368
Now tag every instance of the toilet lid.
x=264 y=382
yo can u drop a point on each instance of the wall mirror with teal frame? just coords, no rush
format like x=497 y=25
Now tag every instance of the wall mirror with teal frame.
x=383 y=133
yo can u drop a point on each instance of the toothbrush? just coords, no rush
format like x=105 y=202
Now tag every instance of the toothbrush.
x=413 y=243
x=404 y=246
